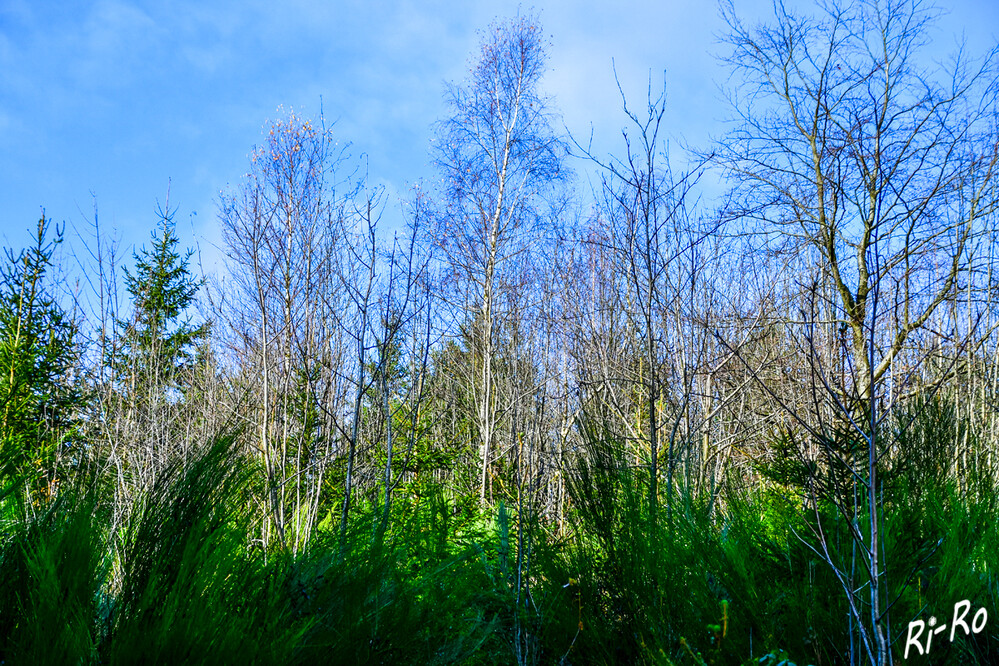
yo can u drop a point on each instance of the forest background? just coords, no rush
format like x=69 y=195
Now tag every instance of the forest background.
x=525 y=426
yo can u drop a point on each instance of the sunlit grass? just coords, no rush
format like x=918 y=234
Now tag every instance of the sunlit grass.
x=445 y=582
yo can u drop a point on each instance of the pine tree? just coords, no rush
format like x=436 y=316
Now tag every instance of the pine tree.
x=154 y=357
x=160 y=341
x=38 y=400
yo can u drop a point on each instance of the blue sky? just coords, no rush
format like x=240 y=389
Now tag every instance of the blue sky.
x=109 y=101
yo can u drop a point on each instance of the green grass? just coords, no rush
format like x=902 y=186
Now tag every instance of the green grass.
x=184 y=581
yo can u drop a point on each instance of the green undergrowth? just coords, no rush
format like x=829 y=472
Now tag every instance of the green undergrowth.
x=185 y=579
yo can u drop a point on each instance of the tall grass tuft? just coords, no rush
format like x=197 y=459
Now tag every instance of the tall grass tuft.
x=192 y=589
x=52 y=567
x=647 y=581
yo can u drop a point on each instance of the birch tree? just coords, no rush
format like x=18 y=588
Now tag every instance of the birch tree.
x=282 y=229
x=499 y=158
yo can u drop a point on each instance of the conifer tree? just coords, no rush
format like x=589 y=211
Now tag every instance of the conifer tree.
x=156 y=351
x=160 y=340
x=37 y=356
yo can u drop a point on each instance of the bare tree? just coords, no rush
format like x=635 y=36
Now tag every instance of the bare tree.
x=658 y=252
x=500 y=158
x=403 y=346
x=876 y=172
x=846 y=144
x=282 y=228
x=360 y=283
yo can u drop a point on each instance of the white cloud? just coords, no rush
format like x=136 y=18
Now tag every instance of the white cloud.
x=118 y=42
